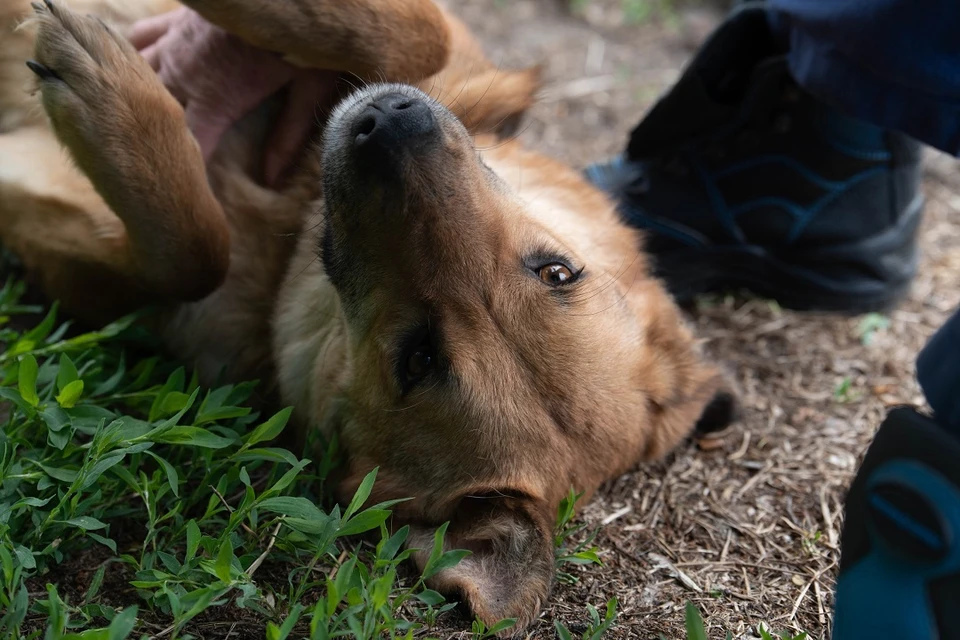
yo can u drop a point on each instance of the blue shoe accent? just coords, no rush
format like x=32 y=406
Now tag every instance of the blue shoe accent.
x=900 y=547
x=885 y=594
x=744 y=180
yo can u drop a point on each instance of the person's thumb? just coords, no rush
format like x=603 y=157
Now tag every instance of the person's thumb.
x=152 y=55
x=147 y=31
x=309 y=94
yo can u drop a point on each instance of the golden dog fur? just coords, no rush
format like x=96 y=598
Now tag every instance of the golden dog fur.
x=538 y=387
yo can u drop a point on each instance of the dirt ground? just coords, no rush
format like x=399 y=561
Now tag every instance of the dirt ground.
x=748 y=532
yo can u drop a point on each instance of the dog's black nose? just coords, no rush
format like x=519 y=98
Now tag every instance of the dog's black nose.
x=393 y=120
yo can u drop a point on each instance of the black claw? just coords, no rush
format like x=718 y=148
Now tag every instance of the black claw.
x=44 y=73
x=49 y=4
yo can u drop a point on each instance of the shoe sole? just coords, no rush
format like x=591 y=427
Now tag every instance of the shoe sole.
x=892 y=255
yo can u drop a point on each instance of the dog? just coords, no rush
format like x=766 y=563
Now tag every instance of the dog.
x=469 y=316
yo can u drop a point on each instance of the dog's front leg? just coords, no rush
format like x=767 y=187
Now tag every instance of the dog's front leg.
x=392 y=40
x=129 y=136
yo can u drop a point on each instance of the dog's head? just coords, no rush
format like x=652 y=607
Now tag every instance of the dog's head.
x=503 y=341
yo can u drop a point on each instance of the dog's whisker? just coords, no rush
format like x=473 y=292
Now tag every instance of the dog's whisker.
x=423 y=393
x=623 y=295
x=590 y=294
x=484 y=94
x=433 y=84
x=463 y=87
x=507 y=140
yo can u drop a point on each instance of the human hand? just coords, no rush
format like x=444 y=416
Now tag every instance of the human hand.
x=218 y=79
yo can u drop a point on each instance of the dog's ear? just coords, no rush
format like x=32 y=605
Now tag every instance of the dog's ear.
x=487 y=98
x=703 y=404
x=496 y=100
x=509 y=572
x=685 y=393
x=722 y=411
x=491 y=101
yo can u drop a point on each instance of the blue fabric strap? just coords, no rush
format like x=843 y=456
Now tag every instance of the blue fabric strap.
x=886 y=594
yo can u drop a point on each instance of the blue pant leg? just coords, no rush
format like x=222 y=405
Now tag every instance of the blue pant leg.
x=938 y=371
x=895 y=63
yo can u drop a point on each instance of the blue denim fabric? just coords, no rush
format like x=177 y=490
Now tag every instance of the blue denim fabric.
x=938 y=371
x=895 y=63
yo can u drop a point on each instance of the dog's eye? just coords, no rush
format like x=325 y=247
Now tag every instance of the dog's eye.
x=420 y=362
x=556 y=274
x=418 y=359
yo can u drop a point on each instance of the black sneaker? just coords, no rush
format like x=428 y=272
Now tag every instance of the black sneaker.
x=744 y=180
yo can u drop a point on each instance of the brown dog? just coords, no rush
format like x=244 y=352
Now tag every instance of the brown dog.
x=481 y=326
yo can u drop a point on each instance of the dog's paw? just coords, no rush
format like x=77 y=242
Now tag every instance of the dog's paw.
x=88 y=74
x=103 y=100
x=78 y=52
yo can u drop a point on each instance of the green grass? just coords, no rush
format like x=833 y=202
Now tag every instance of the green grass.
x=637 y=12
x=567 y=531
x=870 y=325
x=134 y=503
x=844 y=392
x=697 y=631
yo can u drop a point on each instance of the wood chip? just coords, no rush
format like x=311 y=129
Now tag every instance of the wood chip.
x=619 y=513
x=661 y=562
